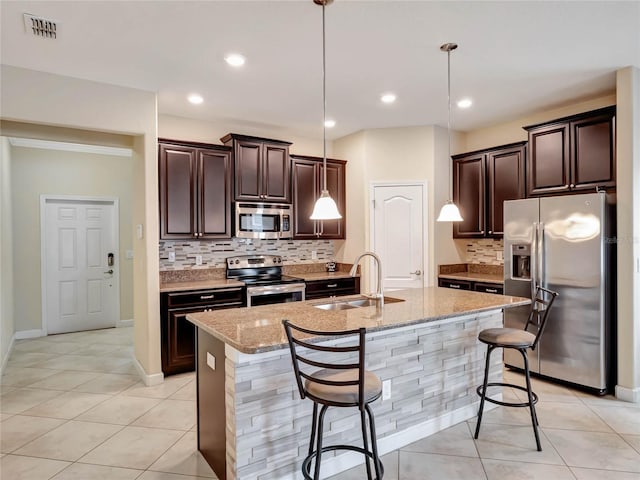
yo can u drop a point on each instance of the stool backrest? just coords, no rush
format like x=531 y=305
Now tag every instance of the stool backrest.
x=302 y=350
x=540 y=308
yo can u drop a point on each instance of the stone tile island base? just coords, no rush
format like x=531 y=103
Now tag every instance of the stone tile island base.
x=252 y=423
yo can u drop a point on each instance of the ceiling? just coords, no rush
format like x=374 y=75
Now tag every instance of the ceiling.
x=514 y=58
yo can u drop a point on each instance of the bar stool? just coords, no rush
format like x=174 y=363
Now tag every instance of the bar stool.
x=520 y=340
x=343 y=383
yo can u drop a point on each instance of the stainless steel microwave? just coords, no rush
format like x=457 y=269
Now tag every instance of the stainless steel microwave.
x=263 y=220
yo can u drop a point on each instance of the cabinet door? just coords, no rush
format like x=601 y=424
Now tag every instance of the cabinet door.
x=549 y=165
x=593 y=152
x=457 y=284
x=305 y=185
x=276 y=173
x=178 y=342
x=469 y=195
x=333 y=229
x=505 y=181
x=248 y=163
x=177 y=172
x=214 y=195
x=332 y=287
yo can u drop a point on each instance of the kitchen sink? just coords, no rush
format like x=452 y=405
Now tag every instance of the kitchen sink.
x=349 y=303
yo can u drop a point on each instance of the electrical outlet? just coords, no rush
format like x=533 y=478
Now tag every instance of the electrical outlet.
x=499 y=255
x=172 y=256
x=386 y=390
x=198 y=259
x=314 y=255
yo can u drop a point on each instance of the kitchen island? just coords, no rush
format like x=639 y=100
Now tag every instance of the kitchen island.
x=251 y=421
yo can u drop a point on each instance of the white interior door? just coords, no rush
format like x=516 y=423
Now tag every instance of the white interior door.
x=80 y=264
x=399 y=233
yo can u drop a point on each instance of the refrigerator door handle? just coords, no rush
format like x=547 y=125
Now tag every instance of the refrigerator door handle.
x=534 y=259
x=540 y=256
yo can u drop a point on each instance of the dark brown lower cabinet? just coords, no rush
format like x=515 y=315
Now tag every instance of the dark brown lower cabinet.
x=332 y=287
x=485 y=287
x=178 y=334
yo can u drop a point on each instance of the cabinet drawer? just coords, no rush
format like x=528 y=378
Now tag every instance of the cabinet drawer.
x=489 y=288
x=224 y=296
x=331 y=287
x=457 y=284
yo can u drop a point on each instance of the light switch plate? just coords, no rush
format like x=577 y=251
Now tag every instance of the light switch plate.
x=198 y=259
x=211 y=361
x=499 y=255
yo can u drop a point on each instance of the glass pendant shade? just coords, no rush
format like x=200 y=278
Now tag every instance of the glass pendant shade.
x=449 y=213
x=325 y=208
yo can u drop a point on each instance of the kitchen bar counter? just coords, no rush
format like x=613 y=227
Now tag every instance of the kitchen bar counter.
x=259 y=329
x=251 y=421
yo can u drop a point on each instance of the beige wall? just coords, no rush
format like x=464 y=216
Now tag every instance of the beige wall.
x=188 y=129
x=39 y=98
x=38 y=171
x=628 y=212
x=396 y=155
x=512 y=131
x=7 y=323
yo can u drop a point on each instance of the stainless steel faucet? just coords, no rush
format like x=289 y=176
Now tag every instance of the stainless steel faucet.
x=378 y=295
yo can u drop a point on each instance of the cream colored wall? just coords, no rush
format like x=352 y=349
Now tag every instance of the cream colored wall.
x=7 y=323
x=36 y=172
x=395 y=155
x=187 y=129
x=509 y=132
x=39 y=98
x=628 y=234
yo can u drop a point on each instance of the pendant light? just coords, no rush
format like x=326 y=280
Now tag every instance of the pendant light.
x=449 y=211
x=325 y=207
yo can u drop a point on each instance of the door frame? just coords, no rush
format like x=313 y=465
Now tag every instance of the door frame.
x=425 y=217
x=44 y=199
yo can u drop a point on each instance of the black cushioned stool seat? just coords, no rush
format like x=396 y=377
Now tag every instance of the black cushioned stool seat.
x=520 y=340
x=342 y=382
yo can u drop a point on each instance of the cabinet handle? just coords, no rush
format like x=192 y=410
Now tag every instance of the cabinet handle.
x=332 y=285
x=572 y=185
x=206 y=297
x=454 y=286
x=490 y=232
x=482 y=231
x=491 y=290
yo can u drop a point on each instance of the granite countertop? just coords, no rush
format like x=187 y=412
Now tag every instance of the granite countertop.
x=308 y=277
x=472 y=272
x=199 y=284
x=474 y=277
x=259 y=329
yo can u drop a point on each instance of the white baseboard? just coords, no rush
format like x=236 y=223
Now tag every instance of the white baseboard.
x=8 y=354
x=628 y=394
x=149 y=380
x=124 y=323
x=22 y=334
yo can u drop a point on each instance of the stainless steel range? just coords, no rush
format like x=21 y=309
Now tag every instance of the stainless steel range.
x=262 y=274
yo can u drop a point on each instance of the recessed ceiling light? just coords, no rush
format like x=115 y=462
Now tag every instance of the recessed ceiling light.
x=235 y=59
x=388 y=98
x=195 y=99
x=465 y=103
x=329 y=123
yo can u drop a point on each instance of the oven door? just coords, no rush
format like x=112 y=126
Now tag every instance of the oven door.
x=270 y=294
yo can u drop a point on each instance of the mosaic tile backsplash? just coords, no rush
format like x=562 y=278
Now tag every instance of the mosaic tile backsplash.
x=484 y=251
x=214 y=253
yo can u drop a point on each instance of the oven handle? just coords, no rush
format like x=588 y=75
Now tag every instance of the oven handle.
x=274 y=289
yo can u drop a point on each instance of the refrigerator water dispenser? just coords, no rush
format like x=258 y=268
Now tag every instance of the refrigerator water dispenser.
x=521 y=260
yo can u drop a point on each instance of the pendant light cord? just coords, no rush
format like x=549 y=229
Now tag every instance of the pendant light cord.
x=449 y=162
x=324 y=105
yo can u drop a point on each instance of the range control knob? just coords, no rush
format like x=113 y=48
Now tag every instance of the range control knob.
x=237 y=261
x=279 y=260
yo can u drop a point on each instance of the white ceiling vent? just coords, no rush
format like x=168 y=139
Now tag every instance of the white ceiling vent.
x=40 y=27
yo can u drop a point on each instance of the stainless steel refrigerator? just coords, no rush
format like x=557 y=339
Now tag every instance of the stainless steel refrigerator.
x=565 y=244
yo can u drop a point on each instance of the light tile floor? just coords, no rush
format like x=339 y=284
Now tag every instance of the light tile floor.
x=72 y=408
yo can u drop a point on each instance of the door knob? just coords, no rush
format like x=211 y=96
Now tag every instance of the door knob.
x=110 y=272
x=417 y=272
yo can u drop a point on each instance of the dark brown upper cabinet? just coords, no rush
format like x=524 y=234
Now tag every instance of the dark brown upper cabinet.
x=572 y=154
x=262 y=168
x=482 y=181
x=307 y=181
x=195 y=190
